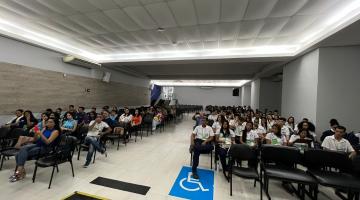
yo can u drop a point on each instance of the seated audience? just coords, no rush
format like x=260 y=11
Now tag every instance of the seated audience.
x=158 y=118
x=22 y=140
x=201 y=139
x=69 y=124
x=249 y=136
x=336 y=142
x=114 y=116
x=333 y=124
x=71 y=110
x=284 y=129
x=303 y=137
x=290 y=123
x=107 y=119
x=224 y=139
x=216 y=126
x=17 y=121
x=136 y=121
x=275 y=137
x=96 y=130
x=44 y=141
x=124 y=122
x=81 y=116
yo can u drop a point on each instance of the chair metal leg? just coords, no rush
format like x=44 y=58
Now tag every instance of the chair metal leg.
x=2 y=162
x=72 y=168
x=254 y=182
x=34 y=175
x=78 y=157
x=52 y=174
x=230 y=179
x=211 y=159
x=94 y=156
x=57 y=169
x=118 y=143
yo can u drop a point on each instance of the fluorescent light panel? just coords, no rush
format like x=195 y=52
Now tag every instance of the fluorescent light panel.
x=330 y=24
x=205 y=83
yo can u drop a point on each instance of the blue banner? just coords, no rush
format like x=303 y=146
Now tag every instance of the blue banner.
x=193 y=189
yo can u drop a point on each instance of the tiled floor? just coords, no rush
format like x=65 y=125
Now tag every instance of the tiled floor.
x=154 y=161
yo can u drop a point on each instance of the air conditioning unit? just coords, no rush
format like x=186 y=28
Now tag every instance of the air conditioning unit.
x=80 y=62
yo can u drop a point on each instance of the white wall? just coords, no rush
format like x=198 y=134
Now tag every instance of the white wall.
x=20 y=53
x=246 y=95
x=255 y=94
x=270 y=95
x=221 y=96
x=299 y=87
x=339 y=87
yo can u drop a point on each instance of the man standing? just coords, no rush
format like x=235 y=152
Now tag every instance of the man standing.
x=201 y=139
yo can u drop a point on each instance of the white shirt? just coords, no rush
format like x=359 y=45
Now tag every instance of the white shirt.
x=239 y=129
x=275 y=140
x=213 y=117
x=295 y=137
x=251 y=137
x=270 y=124
x=333 y=144
x=98 y=127
x=203 y=133
x=285 y=131
x=221 y=135
x=260 y=130
x=125 y=119
x=232 y=122
x=217 y=126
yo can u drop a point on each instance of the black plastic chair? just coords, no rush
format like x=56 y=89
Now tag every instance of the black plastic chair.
x=243 y=152
x=8 y=150
x=334 y=169
x=63 y=153
x=279 y=163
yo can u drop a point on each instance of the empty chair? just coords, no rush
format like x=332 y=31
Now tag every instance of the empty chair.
x=334 y=169
x=243 y=152
x=279 y=163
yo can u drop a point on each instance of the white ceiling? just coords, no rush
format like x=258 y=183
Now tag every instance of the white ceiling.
x=126 y=30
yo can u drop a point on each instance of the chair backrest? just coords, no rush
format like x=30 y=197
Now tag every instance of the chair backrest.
x=243 y=152
x=4 y=131
x=356 y=166
x=280 y=155
x=66 y=147
x=322 y=159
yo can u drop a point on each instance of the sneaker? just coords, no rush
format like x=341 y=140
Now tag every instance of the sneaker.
x=103 y=152
x=195 y=175
x=86 y=165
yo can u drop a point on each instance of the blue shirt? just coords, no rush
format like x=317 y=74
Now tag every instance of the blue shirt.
x=69 y=124
x=47 y=134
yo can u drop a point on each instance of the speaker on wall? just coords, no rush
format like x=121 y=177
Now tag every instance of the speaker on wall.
x=236 y=92
x=106 y=77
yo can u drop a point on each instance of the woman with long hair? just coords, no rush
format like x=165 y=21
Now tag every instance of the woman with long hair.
x=224 y=138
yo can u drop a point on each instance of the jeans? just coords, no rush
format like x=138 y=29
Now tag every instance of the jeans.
x=28 y=151
x=221 y=152
x=155 y=123
x=94 y=144
x=200 y=149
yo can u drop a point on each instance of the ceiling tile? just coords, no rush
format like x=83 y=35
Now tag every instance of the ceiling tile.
x=233 y=10
x=89 y=24
x=59 y=6
x=80 y=5
x=228 y=31
x=184 y=12
x=250 y=29
x=20 y=9
x=122 y=19
x=196 y=46
x=182 y=46
x=243 y=43
x=103 y=20
x=259 y=9
x=262 y=41
x=209 y=32
x=273 y=26
x=192 y=34
x=207 y=13
x=225 y=44
x=150 y=1
x=38 y=8
x=127 y=3
x=161 y=14
x=286 y=8
x=158 y=37
x=143 y=37
x=104 y=4
x=82 y=30
x=114 y=38
x=128 y=38
x=141 y=17
x=297 y=24
x=211 y=44
x=316 y=7
x=175 y=34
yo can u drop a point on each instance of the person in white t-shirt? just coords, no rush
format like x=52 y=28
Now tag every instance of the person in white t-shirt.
x=303 y=137
x=284 y=129
x=213 y=116
x=275 y=137
x=218 y=123
x=290 y=123
x=239 y=129
x=96 y=130
x=260 y=130
x=336 y=142
x=249 y=136
x=270 y=122
x=125 y=120
x=201 y=139
x=224 y=138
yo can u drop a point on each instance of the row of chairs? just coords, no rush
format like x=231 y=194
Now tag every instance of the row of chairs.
x=287 y=164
